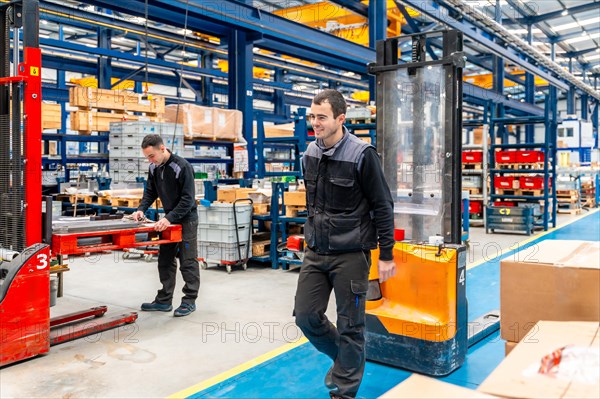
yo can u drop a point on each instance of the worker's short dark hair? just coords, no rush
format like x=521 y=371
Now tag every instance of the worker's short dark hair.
x=333 y=97
x=152 y=140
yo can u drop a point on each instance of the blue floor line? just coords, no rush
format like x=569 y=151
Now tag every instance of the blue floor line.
x=299 y=372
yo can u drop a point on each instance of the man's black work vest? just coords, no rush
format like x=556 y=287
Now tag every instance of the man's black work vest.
x=339 y=218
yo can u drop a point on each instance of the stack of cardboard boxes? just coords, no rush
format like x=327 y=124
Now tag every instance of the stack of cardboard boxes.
x=553 y=280
x=549 y=305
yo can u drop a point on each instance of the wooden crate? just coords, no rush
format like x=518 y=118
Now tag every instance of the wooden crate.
x=261 y=248
x=51 y=116
x=117 y=100
x=86 y=122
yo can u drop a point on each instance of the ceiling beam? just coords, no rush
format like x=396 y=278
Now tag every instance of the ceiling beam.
x=572 y=11
x=278 y=34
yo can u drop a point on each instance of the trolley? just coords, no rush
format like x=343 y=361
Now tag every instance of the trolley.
x=225 y=235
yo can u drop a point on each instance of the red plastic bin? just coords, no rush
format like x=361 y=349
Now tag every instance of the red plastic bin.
x=530 y=156
x=506 y=157
x=505 y=204
x=532 y=182
x=472 y=156
x=475 y=207
x=506 y=182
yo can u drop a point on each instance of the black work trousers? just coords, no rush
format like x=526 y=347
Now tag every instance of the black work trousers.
x=187 y=252
x=348 y=275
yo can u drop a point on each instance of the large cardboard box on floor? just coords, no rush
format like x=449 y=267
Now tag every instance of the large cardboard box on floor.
x=518 y=376
x=420 y=387
x=553 y=280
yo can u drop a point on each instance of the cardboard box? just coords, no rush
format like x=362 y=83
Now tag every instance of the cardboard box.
x=261 y=197
x=518 y=377
x=294 y=198
x=242 y=193
x=197 y=120
x=508 y=347
x=553 y=280
x=228 y=123
x=206 y=122
x=231 y=194
x=420 y=387
x=226 y=194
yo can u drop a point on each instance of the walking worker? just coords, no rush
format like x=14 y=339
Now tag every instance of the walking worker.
x=171 y=178
x=350 y=212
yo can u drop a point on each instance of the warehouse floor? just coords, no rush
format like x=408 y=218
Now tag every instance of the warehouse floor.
x=241 y=317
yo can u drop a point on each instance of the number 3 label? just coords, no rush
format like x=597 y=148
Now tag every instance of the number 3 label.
x=43 y=259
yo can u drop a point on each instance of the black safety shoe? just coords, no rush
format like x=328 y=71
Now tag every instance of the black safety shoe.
x=156 y=307
x=184 y=309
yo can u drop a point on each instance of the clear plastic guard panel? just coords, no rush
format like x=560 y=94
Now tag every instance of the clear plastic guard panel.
x=413 y=141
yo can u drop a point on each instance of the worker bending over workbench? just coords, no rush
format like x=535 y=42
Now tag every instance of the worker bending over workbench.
x=171 y=178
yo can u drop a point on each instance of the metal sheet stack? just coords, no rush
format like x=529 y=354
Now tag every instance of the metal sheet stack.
x=218 y=241
x=126 y=159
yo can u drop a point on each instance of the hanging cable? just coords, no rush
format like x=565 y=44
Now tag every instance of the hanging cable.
x=146 y=43
x=185 y=25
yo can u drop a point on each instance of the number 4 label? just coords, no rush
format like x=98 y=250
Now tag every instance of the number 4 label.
x=461 y=278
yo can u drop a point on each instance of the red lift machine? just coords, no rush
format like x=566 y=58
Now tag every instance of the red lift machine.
x=26 y=329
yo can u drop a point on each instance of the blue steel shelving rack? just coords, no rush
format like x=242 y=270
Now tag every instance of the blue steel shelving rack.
x=550 y=122
x=295 y=144
x=51 y=163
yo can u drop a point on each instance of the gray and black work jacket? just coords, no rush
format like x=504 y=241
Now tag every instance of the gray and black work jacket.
x=349 y=204
x=173 y=183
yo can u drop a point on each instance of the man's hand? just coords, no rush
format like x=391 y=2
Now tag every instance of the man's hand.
x=387 y=269
x=137 y=215
x=162 y=224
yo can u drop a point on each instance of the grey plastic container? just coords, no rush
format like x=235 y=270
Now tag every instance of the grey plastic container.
x=218 y=252
x=223 y=234
x=222 y=214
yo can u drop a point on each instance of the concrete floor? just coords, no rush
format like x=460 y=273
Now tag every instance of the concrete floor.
x=239 y=317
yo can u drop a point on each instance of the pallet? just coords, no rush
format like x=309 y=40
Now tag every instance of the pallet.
x=73 y=243
x=505 y=191
x=532 y=166
x=532 y=193
x=589 y=203
x=261 y=209
x=90 y=199
x=473 y=190
x=104 y=201
x=569 y=211
x=359 y=121
x=126 y=202
x=292 y=211
x=566 y=193
x=562 y=199
x=261 y=248
x=472 y=166
x=72 y=198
